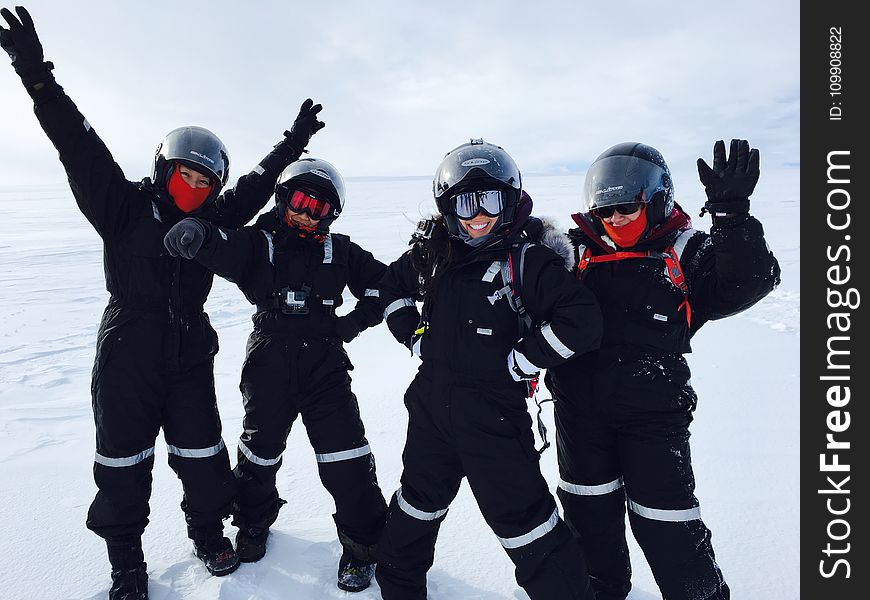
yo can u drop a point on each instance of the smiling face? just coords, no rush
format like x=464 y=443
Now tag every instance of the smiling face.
x=479 y=226
x=301 y=219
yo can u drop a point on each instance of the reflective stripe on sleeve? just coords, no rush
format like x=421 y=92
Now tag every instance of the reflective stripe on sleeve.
x=271 y=246
x=671 y=516
x=195 y=452
x=259 y=170
x=127 y=461
x=343 y=455
x=555 y=343
x=373 y=292
x=416 y=513
x=536 y=533
x=263 y=462
x=327 y=249
x=394 y=306
x=590 y=490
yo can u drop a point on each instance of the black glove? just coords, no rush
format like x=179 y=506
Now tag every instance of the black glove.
x=729 y=184
x=22 y=45
x=346 y=328
x=185 y=238
x=305 y=126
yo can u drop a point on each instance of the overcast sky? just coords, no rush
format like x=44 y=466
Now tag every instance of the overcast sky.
x=401 y=82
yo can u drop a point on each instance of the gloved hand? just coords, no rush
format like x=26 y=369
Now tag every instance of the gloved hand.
x=346 y=328
x=185 y=238
x=22 y=45
x=729 y=184
x=305 y=126
x=520 y=367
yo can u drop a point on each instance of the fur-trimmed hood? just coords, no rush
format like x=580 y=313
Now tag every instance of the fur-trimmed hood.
x=557 y=241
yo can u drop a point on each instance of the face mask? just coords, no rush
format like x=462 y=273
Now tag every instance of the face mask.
x=629 y=234
x=185 y=197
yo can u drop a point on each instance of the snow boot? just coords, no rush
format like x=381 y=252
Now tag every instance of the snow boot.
x=129 y=575
x=251 y=543
x=354 y=575
x=217 y=553
x=129 y=585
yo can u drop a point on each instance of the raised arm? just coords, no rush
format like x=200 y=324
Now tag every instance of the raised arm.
x=97 y=182
x=237 y=206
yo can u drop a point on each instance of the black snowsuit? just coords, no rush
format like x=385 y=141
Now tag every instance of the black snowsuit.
x=623 y=412
x=296 y=364
x=155 y=346
x=468 y=418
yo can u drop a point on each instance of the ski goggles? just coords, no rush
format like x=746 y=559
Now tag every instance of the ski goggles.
x=468 y=205
x=303 y=202
x=605 y=212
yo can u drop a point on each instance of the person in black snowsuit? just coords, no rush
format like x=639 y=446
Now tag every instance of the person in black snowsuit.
x=294 y=270
x=467 y=405
x=623 y=412
x=155 y=346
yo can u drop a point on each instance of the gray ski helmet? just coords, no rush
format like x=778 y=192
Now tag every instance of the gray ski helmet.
x=316 y=176
x=631 y=172
x=476 y=166
x=198 y=148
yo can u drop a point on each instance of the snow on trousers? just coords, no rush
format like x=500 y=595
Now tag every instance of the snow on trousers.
x=135 y=391
x=283 y=377
x=483 y=434
x=608 y=460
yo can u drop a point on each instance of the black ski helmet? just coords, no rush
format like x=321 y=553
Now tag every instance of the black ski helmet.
x=631 y=172
x=476 y=166
x=198 y=148
x=317 y=177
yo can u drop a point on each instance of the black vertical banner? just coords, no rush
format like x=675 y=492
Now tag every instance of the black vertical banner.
x=835 y=204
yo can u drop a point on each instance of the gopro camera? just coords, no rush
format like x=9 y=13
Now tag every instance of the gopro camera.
x=295 y=301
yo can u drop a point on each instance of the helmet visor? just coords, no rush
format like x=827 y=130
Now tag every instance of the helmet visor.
x=468 y=205
x=622 y=180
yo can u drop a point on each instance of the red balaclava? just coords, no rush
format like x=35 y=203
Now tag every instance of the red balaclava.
x=629 y=234
x=186 y=198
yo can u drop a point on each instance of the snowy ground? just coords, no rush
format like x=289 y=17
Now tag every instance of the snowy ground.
x=745 y=442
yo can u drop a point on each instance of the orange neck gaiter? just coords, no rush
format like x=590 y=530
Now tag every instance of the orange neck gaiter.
x=629 y=234
x=185 y=197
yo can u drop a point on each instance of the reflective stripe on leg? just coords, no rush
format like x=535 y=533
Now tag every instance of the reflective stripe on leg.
x=343 y=455
x=127 y=461
x=263 y=462
x=659 y=514
x=196 y=452
x=421 y=515
x=590 y=490
x=536 y=533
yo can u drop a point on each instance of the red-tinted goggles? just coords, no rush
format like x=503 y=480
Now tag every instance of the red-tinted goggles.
x=605 y=212
x=303 y=202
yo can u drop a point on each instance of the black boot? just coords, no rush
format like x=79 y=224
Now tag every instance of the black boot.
x=129 y=577
x=354 y=575
x=215 y=550
x=357 y=564
x=251 y=543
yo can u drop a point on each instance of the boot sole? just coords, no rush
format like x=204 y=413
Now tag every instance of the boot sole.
x=348 y=588
x=223 y=572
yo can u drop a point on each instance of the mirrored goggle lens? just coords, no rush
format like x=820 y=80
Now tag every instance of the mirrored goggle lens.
x=469 y=204
x=303 y=202
x=605 y=212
